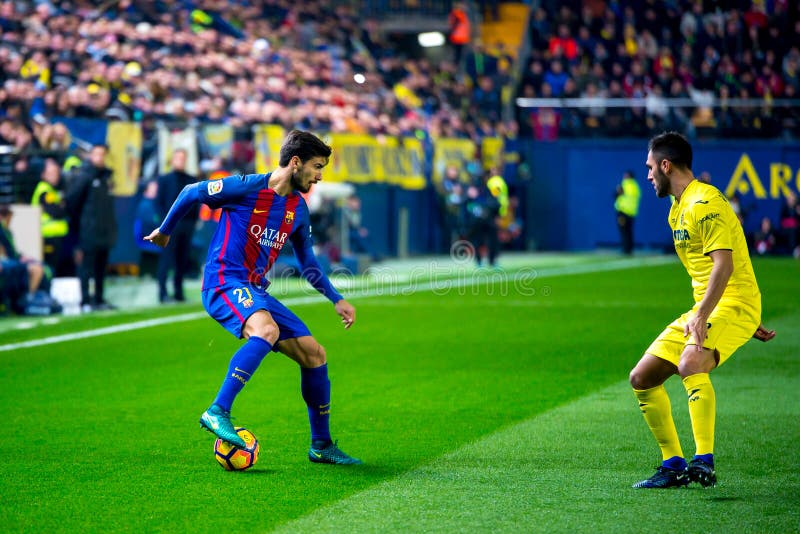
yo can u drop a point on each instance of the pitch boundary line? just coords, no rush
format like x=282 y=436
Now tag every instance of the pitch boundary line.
x=583 y=268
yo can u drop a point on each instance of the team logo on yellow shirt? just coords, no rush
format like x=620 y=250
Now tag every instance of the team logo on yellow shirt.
x=709 y=217
x=680 y=235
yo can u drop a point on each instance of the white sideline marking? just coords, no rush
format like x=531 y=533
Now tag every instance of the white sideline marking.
x=450 y=283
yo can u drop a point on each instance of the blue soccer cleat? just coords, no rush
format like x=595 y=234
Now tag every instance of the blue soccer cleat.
x=330 y=453
x=218 y=421
x=665 y=477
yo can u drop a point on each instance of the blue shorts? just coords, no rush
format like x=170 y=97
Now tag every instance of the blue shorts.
x=231 y=305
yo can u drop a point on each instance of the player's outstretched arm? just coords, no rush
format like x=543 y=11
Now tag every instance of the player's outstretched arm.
x=187 y=198
x=762 y=334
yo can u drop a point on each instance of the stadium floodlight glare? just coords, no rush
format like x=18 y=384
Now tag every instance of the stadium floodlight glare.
x=359 y=78
x=430 y=39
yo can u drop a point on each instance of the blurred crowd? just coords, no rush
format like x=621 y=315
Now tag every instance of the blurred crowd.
x=309 y=64
x=320 y=65
x=707 y=52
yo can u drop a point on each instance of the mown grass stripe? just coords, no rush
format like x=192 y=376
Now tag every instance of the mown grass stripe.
x=471 y=279
x=560 y=470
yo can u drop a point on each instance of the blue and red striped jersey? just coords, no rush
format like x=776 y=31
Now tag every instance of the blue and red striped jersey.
x=255 y=225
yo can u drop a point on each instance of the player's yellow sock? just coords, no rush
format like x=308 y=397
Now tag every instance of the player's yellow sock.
x=702 y=409
x=657 y=411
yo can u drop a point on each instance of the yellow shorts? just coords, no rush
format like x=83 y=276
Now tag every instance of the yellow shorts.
x=732 y=324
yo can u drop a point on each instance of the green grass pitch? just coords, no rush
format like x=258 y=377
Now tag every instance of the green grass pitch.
x=478 y=411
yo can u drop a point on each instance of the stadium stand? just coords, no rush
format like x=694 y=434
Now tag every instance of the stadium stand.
x=578 y=69
x=709 y=69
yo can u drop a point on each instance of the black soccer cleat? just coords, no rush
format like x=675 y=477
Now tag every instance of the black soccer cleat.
x=702 y=472
x=665 y=478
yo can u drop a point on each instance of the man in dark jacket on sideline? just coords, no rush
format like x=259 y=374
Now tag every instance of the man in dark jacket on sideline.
x=178 y=255
x=91 y=209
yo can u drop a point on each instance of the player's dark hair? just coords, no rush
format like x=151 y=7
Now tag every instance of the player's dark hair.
x=673 y=147
x=304 y=145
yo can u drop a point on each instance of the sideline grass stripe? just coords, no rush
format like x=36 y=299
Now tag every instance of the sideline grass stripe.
x=474 y=278
x=570 y=469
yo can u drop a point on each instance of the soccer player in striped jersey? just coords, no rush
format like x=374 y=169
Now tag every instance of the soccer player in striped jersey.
x=260 y=213
x=726 y=313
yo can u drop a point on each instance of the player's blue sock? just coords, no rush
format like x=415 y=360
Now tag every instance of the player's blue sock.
x=676 y=462
x=316 y=389
x=243 y=364
x=707 y=458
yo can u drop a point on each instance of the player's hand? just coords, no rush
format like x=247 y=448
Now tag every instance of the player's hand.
x=762 y=334
x=698 y=328
x=157 y=238
x=347 y=312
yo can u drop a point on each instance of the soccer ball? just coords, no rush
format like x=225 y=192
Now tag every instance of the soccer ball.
x=234 y=458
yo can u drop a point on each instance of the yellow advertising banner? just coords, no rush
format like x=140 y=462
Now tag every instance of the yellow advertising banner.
x=268 y=141
x=492 y=152
x=403 y=162
x=355 y=159
x=450 y=151
x=124 y=156
x=362 y=159
x=219 y=140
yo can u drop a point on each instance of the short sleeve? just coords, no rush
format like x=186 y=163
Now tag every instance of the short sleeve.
x=230 y=190
x=713 y=220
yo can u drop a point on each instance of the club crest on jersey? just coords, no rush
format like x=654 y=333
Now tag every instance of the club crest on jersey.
x=214 y=187
x=289 y=218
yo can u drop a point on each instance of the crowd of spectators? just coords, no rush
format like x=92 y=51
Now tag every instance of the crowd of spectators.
x=704 y=52
x=252 y=61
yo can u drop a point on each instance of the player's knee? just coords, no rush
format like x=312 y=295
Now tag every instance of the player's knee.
x=701 y=362
x=269 y=332
x=688 y=368
x=266 y=330
x=640 y=380
x=314 y=356
x=635 y=378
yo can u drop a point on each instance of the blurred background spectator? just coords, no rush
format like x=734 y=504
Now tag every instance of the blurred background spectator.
x=24 y=282
x=626 y=204
x=93 y=221
x=705 y=53
x=54 y=224
x=177 y=256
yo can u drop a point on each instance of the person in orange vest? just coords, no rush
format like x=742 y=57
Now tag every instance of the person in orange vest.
x=460 y=29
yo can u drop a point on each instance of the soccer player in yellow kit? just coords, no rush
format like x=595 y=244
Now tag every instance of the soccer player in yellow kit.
x=711 y=245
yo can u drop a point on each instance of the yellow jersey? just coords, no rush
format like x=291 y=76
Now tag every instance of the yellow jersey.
x=703 y=221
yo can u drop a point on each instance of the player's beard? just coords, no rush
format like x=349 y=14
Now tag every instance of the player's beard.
x=662 y=183
x=298 y=185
